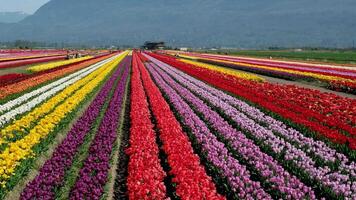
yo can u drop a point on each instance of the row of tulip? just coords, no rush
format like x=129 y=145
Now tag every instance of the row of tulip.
x=19 y=151
x=18 y=128
x=346 y=79
x=14 y=77
x=14 y=54
x=238 y=177
x=145 y=174
x=346 y=170
x=52 y=173
x=337 y=100
x=318 y=148
x=17 y=63
x=42 y=94
x=262 y=71
x=347 y=85
x=269 y=169
x=327 y=114
x=19 y=57
x=37 y=79
x=190 y=178
x=11 y=78
x=52 y=65
x=223 y=70
x=19 y=100
x=342 y=86
x=94 y=173
x=337 y=71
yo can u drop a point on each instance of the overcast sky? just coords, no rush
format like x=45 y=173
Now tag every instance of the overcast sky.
x=27 y=6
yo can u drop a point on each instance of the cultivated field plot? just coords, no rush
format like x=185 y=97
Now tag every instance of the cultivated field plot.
x=333 y=77
x=175 y=125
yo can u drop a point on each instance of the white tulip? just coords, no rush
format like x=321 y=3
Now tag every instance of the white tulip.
x=44 y=93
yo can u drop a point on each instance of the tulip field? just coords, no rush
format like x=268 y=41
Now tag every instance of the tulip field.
x=174 y=125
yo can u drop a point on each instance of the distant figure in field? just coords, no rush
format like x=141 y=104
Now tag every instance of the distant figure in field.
x=68 y=55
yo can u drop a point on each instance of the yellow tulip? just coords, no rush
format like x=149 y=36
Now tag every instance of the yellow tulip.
x=51 y=65
x=224 y=70
x=25 y=122
x=20 y=150
x=310 y=74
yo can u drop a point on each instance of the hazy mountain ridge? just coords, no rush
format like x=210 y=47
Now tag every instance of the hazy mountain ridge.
x=240 y=23
x=12 y=17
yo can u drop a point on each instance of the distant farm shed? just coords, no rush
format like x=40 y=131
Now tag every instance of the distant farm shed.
x=153 y=45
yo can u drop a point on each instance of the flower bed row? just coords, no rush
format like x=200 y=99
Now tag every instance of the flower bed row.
x=11 y=103
x=323 y=174
x=190 y=177
x=9 y=55
x=94 y=173
x=120 y=185
x=17 y=63
x=21 y=150
x=342 y=107
x=224 y=70
x=145 y=174
x=52 y=172
x=269 y=170
x=11 y=78
x=303 y=106
x=335 y=79
x=52 y=65
x=21 y=124
x=259 y=70
x=19 y=57
x=318 y=148
x=8 y=81
x=341 y=84
x=37 y=79
x=332 y=71
x=30 y=100
x=238 y=177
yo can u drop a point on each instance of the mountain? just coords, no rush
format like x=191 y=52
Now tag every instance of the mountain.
x=238 y=23
x=12 y=17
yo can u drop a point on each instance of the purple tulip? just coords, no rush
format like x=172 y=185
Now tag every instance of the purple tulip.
x=246 y=117
x=94 y=173
x=264 y=163
x=52 y=173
